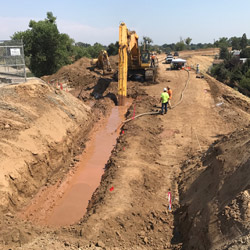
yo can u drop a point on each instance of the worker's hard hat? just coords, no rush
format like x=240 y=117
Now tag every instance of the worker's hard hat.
x=165 y=89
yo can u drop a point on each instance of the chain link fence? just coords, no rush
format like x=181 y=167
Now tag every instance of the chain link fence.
x=12 y=63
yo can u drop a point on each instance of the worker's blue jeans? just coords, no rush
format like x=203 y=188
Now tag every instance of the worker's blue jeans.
x=164 y=106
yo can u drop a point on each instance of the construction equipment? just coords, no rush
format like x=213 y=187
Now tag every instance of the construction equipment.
x=102 y=62
x=132 y=61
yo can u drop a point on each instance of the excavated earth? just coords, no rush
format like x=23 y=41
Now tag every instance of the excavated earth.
x=199 y=152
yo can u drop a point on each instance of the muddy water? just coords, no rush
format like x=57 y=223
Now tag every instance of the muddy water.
x=66 y=202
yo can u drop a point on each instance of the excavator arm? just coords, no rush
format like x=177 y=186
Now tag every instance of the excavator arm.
x=123 y=63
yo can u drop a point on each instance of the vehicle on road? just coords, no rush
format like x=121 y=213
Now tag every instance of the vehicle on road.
x=176 y=53
x=169 y=59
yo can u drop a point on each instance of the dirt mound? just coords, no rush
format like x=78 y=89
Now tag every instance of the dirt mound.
x=81 y=73
x=215 y=195
x=114 y=62
x=76 y=74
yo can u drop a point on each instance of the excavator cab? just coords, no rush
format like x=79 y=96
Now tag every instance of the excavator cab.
x=145 y=57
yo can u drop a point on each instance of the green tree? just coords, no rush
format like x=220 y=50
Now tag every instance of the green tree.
x=179 y=46
x=245 y=53
x=236 y=76
x=224 y=53
x=245 y=83
x=113 y=48
x=235 y=42
x=220 y=72
x=188 y=41
x=80 y=52
x=243 y=41
x=95 y=50
x=222 y=42
x=146 y=42
x=47 y=48
x=84 y=45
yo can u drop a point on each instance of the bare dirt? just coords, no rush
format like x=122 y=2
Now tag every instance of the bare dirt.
x=198 y=151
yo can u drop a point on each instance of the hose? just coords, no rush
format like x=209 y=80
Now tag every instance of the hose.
x=157 y=112
x=181 y=98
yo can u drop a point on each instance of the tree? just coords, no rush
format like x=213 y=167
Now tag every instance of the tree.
x=245 y=53
x=245 y=83
x=180 y=46
x=224 y=53
x=95 y=50
x=188 y=41
x=235 y=42
x=47 y=48
x=84 y=45
x=222 y=42
x=236 y=76
x=146 y=42
x=220 y=72
x=113 y=48
x=80 y=52
x=243 y=41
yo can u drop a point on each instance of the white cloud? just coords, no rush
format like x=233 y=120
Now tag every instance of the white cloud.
x=78 y=31
x=89 y=34
x=10 y=25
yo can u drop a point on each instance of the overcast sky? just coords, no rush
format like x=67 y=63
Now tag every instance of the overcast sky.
x=165 y=21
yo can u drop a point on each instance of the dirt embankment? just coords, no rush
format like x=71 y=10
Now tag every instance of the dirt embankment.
x=37 y=123
x=215 y=195
x=41 y=131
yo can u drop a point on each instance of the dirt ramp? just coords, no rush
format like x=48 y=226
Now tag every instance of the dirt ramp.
x=39 y=130
x=81 y=73
x=215 y=195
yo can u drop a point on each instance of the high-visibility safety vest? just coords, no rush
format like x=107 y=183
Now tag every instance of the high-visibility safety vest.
x=164 y=97
x=170 y=93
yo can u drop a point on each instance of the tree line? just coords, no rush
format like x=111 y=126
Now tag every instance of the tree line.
x=234 y=70
x=47 y=50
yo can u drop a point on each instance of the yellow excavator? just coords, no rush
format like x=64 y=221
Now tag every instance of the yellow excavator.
x=102 y=62
x=132 y=61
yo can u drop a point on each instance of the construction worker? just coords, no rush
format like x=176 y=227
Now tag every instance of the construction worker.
x=153 y=60
x=170 y=93
x=197 y=69
x=164 y=101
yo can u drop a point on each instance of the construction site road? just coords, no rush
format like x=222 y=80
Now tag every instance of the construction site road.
x=198 y=153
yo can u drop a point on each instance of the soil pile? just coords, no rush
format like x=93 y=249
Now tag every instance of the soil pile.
x=215 y=195
x=81 y=73
x=76 y=74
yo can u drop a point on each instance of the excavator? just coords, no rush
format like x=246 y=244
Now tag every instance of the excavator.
x=132 y=61
x=102 y=62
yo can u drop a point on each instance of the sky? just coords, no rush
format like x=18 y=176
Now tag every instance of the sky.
x=164 y=21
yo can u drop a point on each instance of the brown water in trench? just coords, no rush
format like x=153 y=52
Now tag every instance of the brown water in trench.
x=65 y=203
